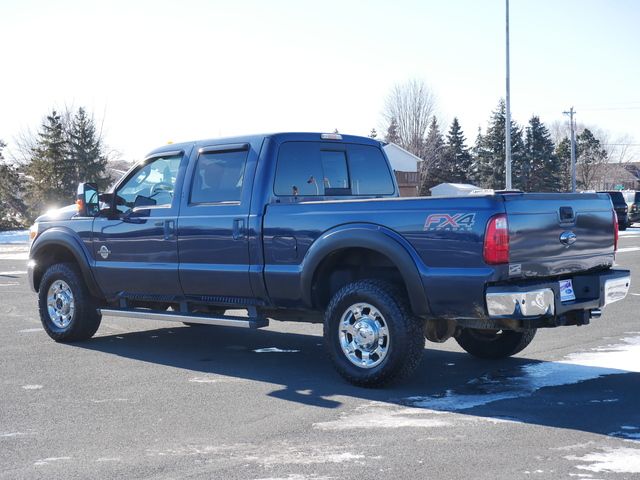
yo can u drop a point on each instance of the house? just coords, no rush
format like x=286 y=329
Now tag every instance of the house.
x=405 y=167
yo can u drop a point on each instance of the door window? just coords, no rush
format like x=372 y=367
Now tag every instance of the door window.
x=151 y=186
x=218 y=177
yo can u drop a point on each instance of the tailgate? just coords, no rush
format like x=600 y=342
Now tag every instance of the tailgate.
x=557 y=234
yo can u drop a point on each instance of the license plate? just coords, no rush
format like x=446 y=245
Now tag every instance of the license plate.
x=566 y=291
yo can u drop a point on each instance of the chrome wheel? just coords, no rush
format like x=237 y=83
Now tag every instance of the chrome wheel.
x=60 y=304
x=364 y=335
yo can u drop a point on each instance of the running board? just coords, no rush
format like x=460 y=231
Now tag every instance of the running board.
x=221 y=320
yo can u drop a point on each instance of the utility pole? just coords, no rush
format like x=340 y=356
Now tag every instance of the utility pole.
x=571 y=113
x=507 y=127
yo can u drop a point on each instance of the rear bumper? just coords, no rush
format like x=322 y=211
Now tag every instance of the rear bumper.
x=537 y=304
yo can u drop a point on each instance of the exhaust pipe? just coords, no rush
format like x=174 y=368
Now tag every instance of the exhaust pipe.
x=596 y=313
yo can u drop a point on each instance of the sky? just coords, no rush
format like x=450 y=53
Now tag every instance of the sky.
x=154 y=72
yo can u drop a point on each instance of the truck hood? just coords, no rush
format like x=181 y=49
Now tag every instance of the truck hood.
x=63 y=213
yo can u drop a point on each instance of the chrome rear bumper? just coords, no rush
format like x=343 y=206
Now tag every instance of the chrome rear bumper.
x=529 y=300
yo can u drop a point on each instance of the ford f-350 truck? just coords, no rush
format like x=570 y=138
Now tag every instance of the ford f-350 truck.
x=309 y=227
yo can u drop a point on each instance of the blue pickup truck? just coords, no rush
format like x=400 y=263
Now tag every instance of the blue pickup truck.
x=309 y=227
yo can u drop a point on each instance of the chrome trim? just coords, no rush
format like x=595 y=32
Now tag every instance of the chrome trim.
x=616 y=289
x=533 y=303
x=568 y=238
x=223 y=321
x=364 y=335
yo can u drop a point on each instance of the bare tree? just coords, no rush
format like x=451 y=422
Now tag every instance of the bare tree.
x=411 y=105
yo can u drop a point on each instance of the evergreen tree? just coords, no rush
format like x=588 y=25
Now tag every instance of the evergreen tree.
x=591 y=160
x=432 y=168
x=458 y=160
x=476 y=153
x=373 y=133
x=54 y=175
x=12 y=208
x=490 y=162
x=563 y=154
x=541 y=170
x=85 y=150
x=392 y=135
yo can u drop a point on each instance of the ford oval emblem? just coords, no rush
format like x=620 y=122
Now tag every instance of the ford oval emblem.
x=568 y=238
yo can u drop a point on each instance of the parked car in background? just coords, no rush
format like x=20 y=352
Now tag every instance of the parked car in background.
x=621 y=208
x=633 y=202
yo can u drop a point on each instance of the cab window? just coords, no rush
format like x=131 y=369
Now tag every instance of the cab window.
x=218 y=177
x=152 y=185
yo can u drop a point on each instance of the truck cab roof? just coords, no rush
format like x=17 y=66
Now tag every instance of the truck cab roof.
x=256 y=139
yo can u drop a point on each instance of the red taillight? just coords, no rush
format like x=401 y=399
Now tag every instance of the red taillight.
x=496 y=240
x=615 y=231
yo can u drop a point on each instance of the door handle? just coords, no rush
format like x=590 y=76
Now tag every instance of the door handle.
x=238 y=228
x=169 y=229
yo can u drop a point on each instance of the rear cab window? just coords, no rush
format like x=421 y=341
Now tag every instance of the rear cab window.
x=315 y=169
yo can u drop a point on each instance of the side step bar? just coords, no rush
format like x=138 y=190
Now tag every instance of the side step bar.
x=221 y=320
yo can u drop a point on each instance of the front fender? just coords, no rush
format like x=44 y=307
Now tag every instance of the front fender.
x=374 y=237
x=69 y=240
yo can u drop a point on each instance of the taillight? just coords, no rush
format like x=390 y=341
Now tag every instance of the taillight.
x=496 y=240
x=615 y=231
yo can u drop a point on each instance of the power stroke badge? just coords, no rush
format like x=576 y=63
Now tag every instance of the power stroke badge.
x=447 y=221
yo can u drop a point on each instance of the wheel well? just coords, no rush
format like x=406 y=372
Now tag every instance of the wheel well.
x=348 y=265
x=49 y=256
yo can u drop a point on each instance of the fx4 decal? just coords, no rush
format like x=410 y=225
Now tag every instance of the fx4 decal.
x=445 y=221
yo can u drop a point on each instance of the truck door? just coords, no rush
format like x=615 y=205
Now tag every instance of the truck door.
x=136 y=249
x=213 y=233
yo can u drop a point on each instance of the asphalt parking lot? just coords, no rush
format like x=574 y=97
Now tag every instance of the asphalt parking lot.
x=156 y=400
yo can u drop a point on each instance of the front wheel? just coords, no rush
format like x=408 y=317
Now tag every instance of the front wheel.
x=68 y=312
x=371 y=335
x=494 y=344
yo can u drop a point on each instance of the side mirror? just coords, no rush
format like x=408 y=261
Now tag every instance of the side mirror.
x=88 y=200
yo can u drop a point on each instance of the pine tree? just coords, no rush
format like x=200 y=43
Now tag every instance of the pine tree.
x=12 y=208
x=563 y=154
x=85 y=150
x=432 y=167
x=476 y=153
x=541 y=170
x=392 y=135
x=373 y=133
x=54 y=175
x=458 y=160
x=490 y=162
x=591 y=160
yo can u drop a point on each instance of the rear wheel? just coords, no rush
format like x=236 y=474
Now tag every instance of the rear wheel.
x=494 y=343
x=371 y=335
x=68 y=312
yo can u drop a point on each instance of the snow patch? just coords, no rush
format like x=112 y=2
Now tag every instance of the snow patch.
x=12 y=434
x=618 y=460
x=627 y=249
x=575 y=368
x=274 y=350
x=32 y=387
x=30 y=330
x=46 y=461
x=109 y=400
x=217 y=379
x=14 y=236
x=14 y=272
x=382 y=415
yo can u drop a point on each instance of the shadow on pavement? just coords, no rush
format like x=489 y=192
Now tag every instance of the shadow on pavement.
x=573 y=396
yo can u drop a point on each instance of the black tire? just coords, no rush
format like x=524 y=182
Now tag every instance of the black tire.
x=622 y=227
x=405 y=346
x=494 y=345
x=85 y=319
